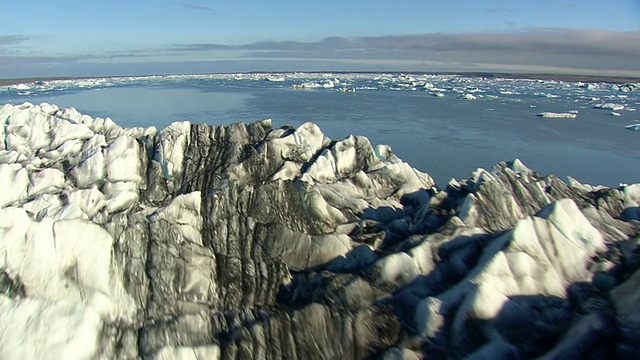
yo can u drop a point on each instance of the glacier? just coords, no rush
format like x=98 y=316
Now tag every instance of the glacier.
x=252 y=242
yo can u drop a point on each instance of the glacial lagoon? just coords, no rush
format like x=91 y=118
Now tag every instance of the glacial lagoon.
x=444 y=125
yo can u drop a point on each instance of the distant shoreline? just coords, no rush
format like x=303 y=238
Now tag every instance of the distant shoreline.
x=557 y=77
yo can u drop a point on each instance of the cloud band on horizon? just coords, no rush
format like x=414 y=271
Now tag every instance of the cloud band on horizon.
x=530 y=50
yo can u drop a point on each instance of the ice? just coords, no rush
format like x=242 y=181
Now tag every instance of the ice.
x=538 y=257
x=633 y=127
x=122 y=159
x=395 y=270
x=567 y=115
x=66 y=131
x=288 y=171
x=184 y=213
x=171 y=143
x=90 y=201
x=210 y=352
x=302 y=144
x=91 y=169
x=45 y=181
x=613 y=113
x=67 y=260
x=70 y=114
x=136 y=243
x=610 y=106
x=306 y=85
x=15 y=181
x=120 y=196
x=43 y=205
x=468 y=97
x=55 y=330
x=275 y=78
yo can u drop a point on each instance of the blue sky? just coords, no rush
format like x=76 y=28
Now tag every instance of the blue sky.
x=117 y=37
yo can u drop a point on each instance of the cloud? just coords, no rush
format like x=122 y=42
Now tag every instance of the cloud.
x=553 y=47
x=39 y=60
x=594 y=51
x=196 y=7
x=12 y=39
x=497 y=9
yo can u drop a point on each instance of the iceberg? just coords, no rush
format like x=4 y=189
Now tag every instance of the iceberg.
x=610 y=106
x=567 y=115
x=633 y=127
x=250 y=242
x=306 y=85
x=468 y=97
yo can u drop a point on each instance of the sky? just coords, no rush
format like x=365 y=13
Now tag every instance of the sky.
x=49 y=38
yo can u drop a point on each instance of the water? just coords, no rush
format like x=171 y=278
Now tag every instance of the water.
x=445 y=136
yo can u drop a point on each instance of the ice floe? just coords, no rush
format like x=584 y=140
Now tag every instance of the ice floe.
x=567 y=115
x=610 y=106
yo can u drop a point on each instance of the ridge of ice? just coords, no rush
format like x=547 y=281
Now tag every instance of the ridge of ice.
x=92 y=252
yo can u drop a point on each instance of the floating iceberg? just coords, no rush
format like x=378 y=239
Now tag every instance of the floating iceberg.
x=610 y=106
x=306 y=85
x=548 y=95
x=567 y=115
x=634 y=127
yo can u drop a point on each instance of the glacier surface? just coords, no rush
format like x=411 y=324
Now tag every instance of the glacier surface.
x=252 y=242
